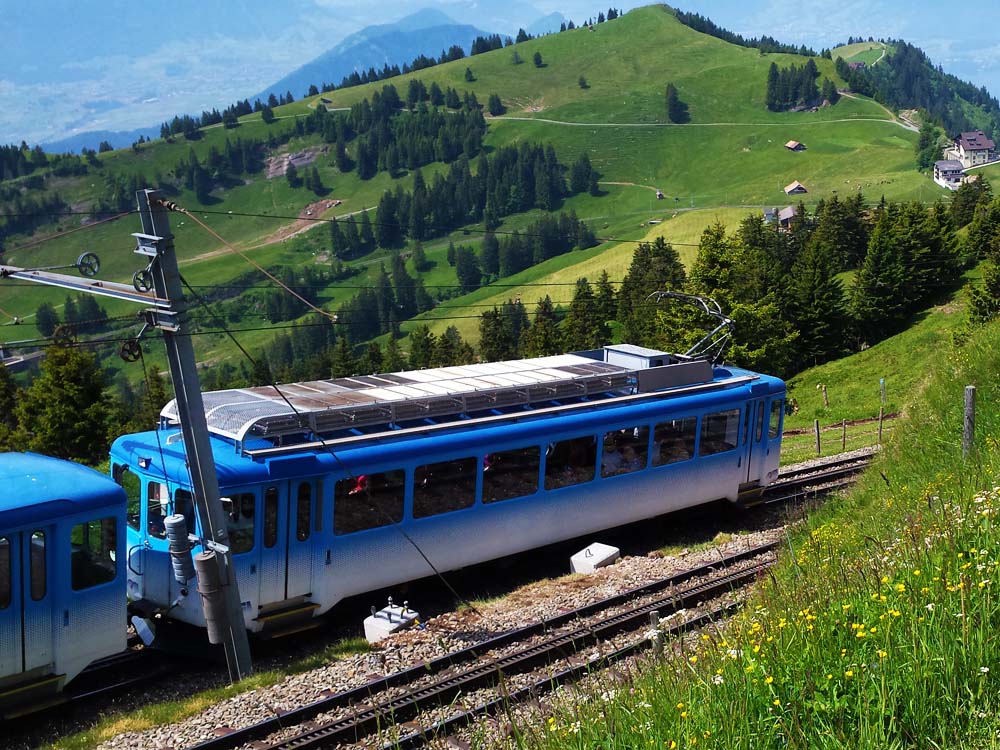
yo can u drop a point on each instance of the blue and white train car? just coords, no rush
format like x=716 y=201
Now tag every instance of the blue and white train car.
x=62 y=581
x=344 y=493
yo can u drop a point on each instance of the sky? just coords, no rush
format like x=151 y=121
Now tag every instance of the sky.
x=79 y=65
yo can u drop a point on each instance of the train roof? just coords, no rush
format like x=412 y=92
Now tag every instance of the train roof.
x=39 y=488
x=697 y=384
x=323 y=407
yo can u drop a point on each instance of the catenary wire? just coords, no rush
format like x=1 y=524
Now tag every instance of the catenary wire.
x=398 y=526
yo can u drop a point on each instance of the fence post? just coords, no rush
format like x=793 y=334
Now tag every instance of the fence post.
x=969 y=425
x=881 y=416
x=843 y=435
x=816 y=428
x=881 y=388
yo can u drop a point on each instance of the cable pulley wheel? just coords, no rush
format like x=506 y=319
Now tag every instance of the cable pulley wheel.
x=130 y=351
x=88 y=264
x=142 y=280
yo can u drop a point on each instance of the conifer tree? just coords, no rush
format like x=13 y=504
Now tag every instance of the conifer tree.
x=878 y=300
x=543 y=338
x=421 y=347
x=655 y=267
x=816 y=302
x=583 y=329
x=342 y=363
x=64 y=412
x=495 y=344
x=677 y=111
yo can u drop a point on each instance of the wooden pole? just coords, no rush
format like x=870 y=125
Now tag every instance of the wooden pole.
x=881 y=416
x=843 y=435
x=816 y=428
x=969 y=425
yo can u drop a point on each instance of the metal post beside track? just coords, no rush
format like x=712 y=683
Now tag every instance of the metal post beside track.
x=159 y=286
x=969 y=423
x=191 y=410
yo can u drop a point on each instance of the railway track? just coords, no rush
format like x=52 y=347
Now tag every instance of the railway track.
x=445 y=678
x=381 y=697
x=398 y=699
x=815 y=479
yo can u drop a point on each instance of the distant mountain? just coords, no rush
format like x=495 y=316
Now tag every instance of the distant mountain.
x=92 y=139
x=426 y=32
x=546 y=24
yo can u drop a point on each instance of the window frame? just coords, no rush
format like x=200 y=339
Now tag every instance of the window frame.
x=466 y=464
x=89 y=528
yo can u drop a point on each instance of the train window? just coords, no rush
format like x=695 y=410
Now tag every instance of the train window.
x=760 y=423
x=5 y=567
x=318 y=514
x=719 y=432
x=774 y=427
x=303 y=507
x=92 y=561
x=133 y=489
x=673 y=441
x=510 y=474
x=184 y=505
x=570 y=462
x=157 y=497
x=368 y=501
x=37 y=565
x=240 y=521
x=444 y=487
x=624 y=451
x=270 y=517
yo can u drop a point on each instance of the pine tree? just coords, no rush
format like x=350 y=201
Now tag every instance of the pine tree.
x=342 y=363
x=64 y=412
x=46 y=319
x=421 y=348
x=537 y=58
x=494 y=340
x=366 y=235
x=677 y=111
x=9 y=396
x=450 y=350
x=583 y=329
x=655 y=267
x=392 y=358
x=878 y=299
x=816 y=300
x=543 y=337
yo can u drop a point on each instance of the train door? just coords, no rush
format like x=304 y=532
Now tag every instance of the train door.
x=11 y=653
x=298 y=560
x=25 y=600
x=756 y=446
x=286 y=557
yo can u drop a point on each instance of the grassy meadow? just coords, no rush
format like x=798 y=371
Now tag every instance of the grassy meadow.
x=728 y=160
x=875 y=629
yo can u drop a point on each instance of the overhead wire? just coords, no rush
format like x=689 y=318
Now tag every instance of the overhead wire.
x=346 y=469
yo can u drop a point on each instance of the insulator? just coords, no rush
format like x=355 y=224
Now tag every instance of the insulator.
x=180 y=548
x=212 y=597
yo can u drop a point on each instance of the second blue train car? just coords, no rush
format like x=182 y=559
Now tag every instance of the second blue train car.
x=334 y=497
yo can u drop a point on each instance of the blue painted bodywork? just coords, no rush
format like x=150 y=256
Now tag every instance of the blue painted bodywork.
x=325 y=567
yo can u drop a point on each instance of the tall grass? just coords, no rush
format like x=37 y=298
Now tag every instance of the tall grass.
x=876 y=629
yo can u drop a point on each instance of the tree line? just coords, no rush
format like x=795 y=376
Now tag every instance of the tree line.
x=906 y=78
x=764 y=43
x=795 y=86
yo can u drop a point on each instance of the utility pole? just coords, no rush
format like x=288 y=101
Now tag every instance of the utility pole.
x=159 y=284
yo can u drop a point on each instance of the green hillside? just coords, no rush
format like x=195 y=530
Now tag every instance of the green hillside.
x=729 y=158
